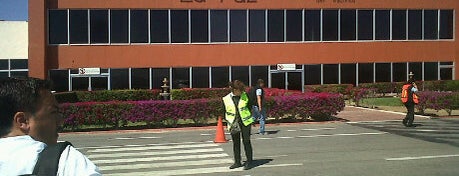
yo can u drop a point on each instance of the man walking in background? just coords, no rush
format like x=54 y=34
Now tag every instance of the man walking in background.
x=257 y=95
x=409 y=99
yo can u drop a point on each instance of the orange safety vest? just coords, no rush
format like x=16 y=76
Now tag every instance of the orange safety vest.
x=405 y=94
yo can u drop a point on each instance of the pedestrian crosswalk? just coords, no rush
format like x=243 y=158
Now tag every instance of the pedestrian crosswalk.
x=193 y=158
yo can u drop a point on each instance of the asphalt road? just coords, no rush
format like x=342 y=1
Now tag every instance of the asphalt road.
x=381 y=148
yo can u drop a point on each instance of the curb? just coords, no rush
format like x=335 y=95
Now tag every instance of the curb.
x=392 y=112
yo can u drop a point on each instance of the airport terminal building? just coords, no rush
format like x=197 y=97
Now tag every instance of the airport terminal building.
x=134 y=44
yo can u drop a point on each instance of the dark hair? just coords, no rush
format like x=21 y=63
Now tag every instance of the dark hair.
x=238 y=85
x=260 y=81
x=18 y=95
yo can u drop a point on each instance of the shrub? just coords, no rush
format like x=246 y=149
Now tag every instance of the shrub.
x=197 y=93
x=343 y=89
x=156 y=112
x=447 y=101
x=306 y=105
x=358 y=93
x=381 y=87
x=107 y=95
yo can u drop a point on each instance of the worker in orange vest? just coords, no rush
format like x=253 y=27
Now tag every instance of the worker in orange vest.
x=409 y=99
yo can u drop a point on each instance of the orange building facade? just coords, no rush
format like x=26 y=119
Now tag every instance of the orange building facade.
x=329 y=41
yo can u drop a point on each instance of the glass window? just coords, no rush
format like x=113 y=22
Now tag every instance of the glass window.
x=278 y=80
x=446 y=63
x=330 y=25
x=431 y=24
x=366 y=73
x=257 y=26
x=78 y=26
x=159 y=26
x=119 y=26
x=199 y=26
x=139 y=26
x=382 y=30
x=220 y=77
x=157 y=77
x=383 y=72
x=398 y=24
x=312 y=25
x=4 y=64
x=365 y=25
x=119 y=78
x=347 y=25
x=331 y=74
x=416 y=68
x=19 y=74
x=414 y=24
x=312 y=74
x=80 y=83
x=200 y=77
x=259 y=72
x=179 y=26
x=348 y=74
x=140 y=78
x=99 y=83
x=19 y=64
x=238 y=25
x=399 y=72
x=180 y=78
x=446 y=73
x=275 y=25
x=240 y=73
x=219 y=25
x=446 y=24
x=294 y=25
x=3 y=74
x=57 y=27
x=99 y=26
x=60 y=79
x=430 y=71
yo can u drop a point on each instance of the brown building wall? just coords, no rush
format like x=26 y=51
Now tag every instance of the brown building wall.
x=184 y=55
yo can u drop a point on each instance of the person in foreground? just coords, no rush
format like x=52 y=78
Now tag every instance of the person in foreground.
x=29 y=124
x=239 y=120
x=409 y=99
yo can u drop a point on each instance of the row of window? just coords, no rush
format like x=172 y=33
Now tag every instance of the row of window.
x=205 y=77
x=13 y=68
x=203 y=26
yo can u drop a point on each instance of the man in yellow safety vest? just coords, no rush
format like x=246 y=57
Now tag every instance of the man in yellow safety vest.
x=239 y=120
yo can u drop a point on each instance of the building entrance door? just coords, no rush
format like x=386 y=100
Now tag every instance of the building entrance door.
x=288 y=79
x=89 y=82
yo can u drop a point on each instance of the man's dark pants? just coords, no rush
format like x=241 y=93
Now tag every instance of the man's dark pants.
x=245 y=130
x=409 y=118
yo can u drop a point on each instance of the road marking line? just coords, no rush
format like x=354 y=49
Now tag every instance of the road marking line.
x=276 y=156
x=427 y=130
x=343 y=134
x=421 y=157
x=264 y=138
x=291 y=130
x=281 y=165
x=206 y=134
x=117 y=155
x=376 y=121
x=167 y=158
x=117 y=146
x=317 y=129
x=285 y=137
x=152 y=148
x=131 y=138
x=179 y=172
x=168 y=164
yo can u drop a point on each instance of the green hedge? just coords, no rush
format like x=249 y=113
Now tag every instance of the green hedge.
x=331 y=88
x=197 y=93
x=107 y=95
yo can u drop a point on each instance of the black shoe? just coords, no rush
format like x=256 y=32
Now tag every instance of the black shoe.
x=235 y=165
x=247 y=165
x=410 y=126
x=404 y=122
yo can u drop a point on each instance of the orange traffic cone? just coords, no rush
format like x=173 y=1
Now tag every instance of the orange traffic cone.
x=220 y=135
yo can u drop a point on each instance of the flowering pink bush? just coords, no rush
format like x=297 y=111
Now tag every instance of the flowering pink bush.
x=447 y=101
x=358 y=93
x=119 y=113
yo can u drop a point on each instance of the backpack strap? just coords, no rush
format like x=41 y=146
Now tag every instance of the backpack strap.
x=48 y=159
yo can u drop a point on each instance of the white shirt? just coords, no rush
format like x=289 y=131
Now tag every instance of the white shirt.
x=18 y=156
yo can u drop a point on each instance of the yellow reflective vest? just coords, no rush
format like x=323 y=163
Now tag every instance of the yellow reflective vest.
x=244 y=111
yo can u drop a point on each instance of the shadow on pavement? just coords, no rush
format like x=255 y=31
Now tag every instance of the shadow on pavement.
x=259 y=162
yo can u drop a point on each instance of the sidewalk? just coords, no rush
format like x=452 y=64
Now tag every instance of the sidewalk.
x=358 y=114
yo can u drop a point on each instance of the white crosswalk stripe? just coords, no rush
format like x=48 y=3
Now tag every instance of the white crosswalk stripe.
x=170 y=159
